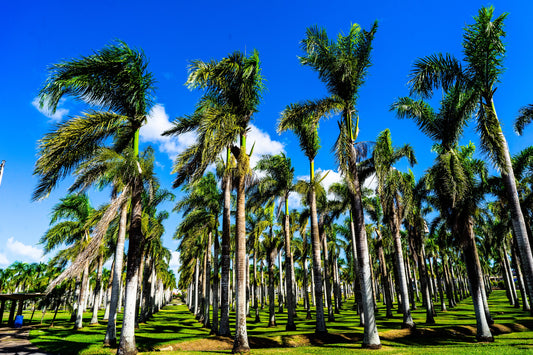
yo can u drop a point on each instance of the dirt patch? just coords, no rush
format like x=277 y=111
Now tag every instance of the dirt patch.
x=285 y=341
x=498 y=329
x=397 y=334
x=517 y=327
x=212 y=344
x=465 y=329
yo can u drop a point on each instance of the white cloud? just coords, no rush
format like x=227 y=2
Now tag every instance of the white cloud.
x=3 y=260
x=57 y=116
x=27 y=253
x=371 y=182
x=336 y=177
x=329 y=179
x=158 y=122
x=295 y=201
x=174 y=260
x=262 y=143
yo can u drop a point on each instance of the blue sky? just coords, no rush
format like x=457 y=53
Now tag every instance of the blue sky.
x=172 y=33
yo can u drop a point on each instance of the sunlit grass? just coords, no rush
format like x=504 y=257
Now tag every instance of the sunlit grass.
x=175 y=325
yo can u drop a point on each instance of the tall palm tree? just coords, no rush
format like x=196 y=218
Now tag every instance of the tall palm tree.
x=483 y=50
x=342 y=65
x=114 y=80
x=392 y=190
x=109 y=167
x=303 y=120
x=232 y=88
x=278 y=183
x=456 y=178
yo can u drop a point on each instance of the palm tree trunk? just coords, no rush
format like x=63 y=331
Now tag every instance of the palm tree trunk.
x=262 y=283
x=517 y=217
x=256 y=291
x=271 y=255
x=472 y=267
x=207 y=285
x=327 y=278
x=83 y=297
x=76 y=297
x=384 y=276
x=514 y=295
x=410 y=282
x=288 y=270
x=306 y=286
x=225 y=258
x=98 y=290
x=140 y=284
x=214 y=327
x=424 y=280
x=400 y=268
x=111 y=331
x=127 y=336
x=507 y=281
x=196 y=286
x=519 y=276
x=356 y=283
x=315 y=249
x=280 y=285
x=108 y=291
x=370 y=336
x=147 y=290
x=240 y=343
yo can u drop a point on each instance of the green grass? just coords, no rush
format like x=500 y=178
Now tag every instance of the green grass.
x=454 y=333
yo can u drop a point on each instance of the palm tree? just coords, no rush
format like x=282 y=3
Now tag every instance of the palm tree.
x=232 y=89
x=303 y=119
x=342 y=65
x=373 y=207
x=154 y=251
x=256 y=222
x=483 y=50
x=391 y=186
x=278 y=182
x=456 y=178
x=71 y=226
x=109 y=167
x=416 y=226
x=116 y=81
x=201 y=209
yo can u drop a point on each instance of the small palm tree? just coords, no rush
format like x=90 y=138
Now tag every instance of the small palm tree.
x=278 y=182
x=201 y=209
x=392 y=189
x=71 y=226
x=303 y=120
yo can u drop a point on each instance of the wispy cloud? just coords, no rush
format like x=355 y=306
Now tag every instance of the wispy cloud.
x=262 y=144
x=174 y=260
x=56 y=116
x=3 y=260
x=22 y=252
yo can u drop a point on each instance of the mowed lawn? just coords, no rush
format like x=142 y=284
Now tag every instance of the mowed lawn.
x=175 y=330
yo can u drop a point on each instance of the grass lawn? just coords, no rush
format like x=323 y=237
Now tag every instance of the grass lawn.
x=175 y=328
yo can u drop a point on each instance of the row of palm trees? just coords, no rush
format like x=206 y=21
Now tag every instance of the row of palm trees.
x=455 y=186
x=101 y=148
